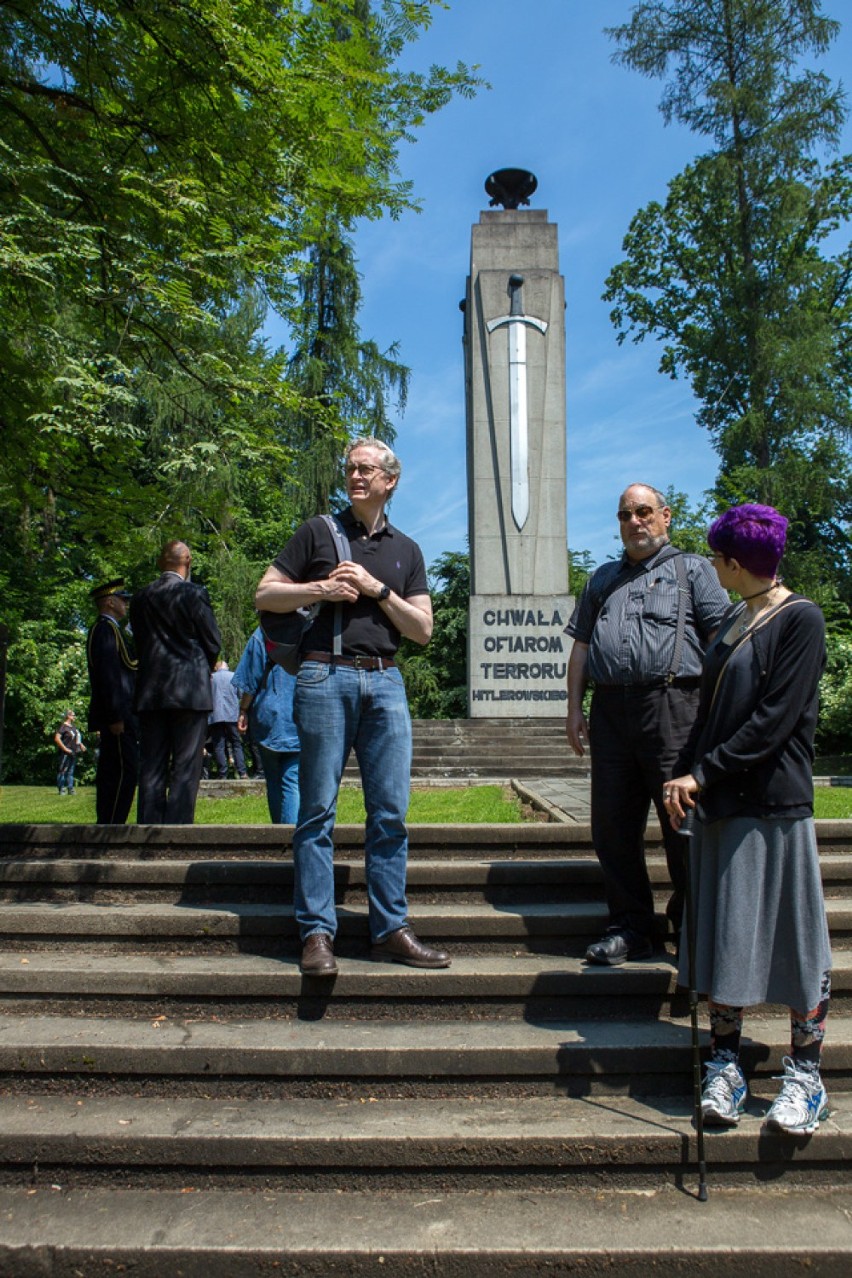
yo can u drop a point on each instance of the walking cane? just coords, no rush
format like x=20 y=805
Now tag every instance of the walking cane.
x=686 y=830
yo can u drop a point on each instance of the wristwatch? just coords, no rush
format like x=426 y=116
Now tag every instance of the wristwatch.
x=383 y=594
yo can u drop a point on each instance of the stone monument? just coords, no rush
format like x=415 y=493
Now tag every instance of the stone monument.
x=514 y=341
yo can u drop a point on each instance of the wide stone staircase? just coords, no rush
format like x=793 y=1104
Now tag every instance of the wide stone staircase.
x=176 y=1101
x=457 y=750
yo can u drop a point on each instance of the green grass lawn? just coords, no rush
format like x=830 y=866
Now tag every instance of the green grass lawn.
x=481 y=805
x=833 y=803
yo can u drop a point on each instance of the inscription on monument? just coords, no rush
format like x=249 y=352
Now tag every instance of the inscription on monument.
x=518 y=652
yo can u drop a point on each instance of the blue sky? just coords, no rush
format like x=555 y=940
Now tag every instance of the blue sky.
x=594 y=137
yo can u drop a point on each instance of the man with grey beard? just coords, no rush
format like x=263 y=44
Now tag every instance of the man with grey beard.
x=640 y=629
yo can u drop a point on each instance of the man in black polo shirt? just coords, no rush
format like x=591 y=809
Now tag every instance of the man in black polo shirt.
x=354 y=701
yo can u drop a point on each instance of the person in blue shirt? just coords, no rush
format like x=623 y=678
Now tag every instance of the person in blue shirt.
x=224 y=721
x=266 y=708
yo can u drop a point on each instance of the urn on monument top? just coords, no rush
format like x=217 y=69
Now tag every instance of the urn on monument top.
x=510 y=187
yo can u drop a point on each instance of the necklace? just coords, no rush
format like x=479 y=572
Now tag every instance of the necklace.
x=750 y=617
x=758 y=593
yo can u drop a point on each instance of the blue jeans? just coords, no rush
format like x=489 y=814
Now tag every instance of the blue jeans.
x=338 y=708
x=65 y=775
x=281 y=770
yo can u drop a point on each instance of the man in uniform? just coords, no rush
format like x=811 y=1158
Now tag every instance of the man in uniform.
x=355 y=700
x=640 y=629
x=112 y=677
x=177 y=642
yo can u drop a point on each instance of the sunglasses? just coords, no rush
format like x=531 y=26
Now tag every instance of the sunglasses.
x=639 y=512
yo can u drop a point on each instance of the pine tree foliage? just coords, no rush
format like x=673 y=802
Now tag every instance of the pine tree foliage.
x=346 y=385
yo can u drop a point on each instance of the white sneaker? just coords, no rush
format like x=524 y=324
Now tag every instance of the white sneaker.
x=724 y=1096
x=801 y=1103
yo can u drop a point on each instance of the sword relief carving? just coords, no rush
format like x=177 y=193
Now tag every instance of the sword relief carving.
x=517 y=321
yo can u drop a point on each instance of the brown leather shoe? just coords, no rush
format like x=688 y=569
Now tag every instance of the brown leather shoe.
x=402 y=946
x=318 y=956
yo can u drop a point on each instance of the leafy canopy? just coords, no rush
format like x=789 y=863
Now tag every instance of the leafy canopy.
x=732 y=273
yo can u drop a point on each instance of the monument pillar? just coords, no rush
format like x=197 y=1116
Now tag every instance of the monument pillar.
x=514 y=338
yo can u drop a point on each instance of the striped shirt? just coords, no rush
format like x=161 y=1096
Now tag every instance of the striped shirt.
x=631 y=636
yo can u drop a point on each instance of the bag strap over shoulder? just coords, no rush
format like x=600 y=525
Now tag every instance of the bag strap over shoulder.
x=343 y=551
x=680 y=631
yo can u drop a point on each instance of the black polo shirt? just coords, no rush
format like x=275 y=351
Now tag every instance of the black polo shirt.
x=388 y=555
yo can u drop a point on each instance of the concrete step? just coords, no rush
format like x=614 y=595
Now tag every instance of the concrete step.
x=524 y=840
x=509 y=923
x=231 y=1234
x=575 y=1057
x=517 y=984
x=435 y=841
x=397 y=1144
x=495 y=881
x=157 y=919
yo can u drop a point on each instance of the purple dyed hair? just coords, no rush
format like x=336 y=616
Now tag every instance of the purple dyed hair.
x=753 y=535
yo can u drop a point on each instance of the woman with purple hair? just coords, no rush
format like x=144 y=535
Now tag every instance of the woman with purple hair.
x=760 y=926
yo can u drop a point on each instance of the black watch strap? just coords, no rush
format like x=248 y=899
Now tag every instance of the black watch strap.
x=383 y=594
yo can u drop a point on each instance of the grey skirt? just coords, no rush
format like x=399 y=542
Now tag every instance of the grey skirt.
x=761 y=931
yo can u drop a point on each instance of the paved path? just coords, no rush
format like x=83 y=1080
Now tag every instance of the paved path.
x=566 y=798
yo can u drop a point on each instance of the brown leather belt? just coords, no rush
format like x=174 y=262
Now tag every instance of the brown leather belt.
x=358 y=663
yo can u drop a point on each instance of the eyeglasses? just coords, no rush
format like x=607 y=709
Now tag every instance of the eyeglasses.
x=360 y=468
x=639 y=512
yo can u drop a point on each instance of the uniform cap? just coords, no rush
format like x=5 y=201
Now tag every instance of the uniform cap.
x=115 y=587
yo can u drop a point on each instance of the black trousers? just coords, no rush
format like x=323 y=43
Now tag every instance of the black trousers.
x=171 y=745
x=115 y=780
x=223 y=735
x=636 y=735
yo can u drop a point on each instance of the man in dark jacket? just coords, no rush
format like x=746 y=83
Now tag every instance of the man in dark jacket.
x=112 y=677
x=177 y=642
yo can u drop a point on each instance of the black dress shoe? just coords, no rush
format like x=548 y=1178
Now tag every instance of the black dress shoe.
x=617 y=947
x=402 y=946
x=318 y=956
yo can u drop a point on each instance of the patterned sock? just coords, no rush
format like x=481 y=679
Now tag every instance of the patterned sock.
x=807 y=1030
x=726 y=1028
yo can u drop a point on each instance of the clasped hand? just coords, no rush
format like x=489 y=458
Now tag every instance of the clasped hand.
x=349 y=580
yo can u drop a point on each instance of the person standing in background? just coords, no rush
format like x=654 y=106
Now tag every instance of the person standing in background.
x=69 y=743
x=112 y=679
x=266 y=710
x=177 y=642
x=223 y=721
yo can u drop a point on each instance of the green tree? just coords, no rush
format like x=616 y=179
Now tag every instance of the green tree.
x=436 y=676
x=165 y=169
x=731 y=272
x=156 y=161
x=580 y=569
x=689 y=523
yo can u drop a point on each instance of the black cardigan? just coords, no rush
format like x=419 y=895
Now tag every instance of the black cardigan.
x=757 y=717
